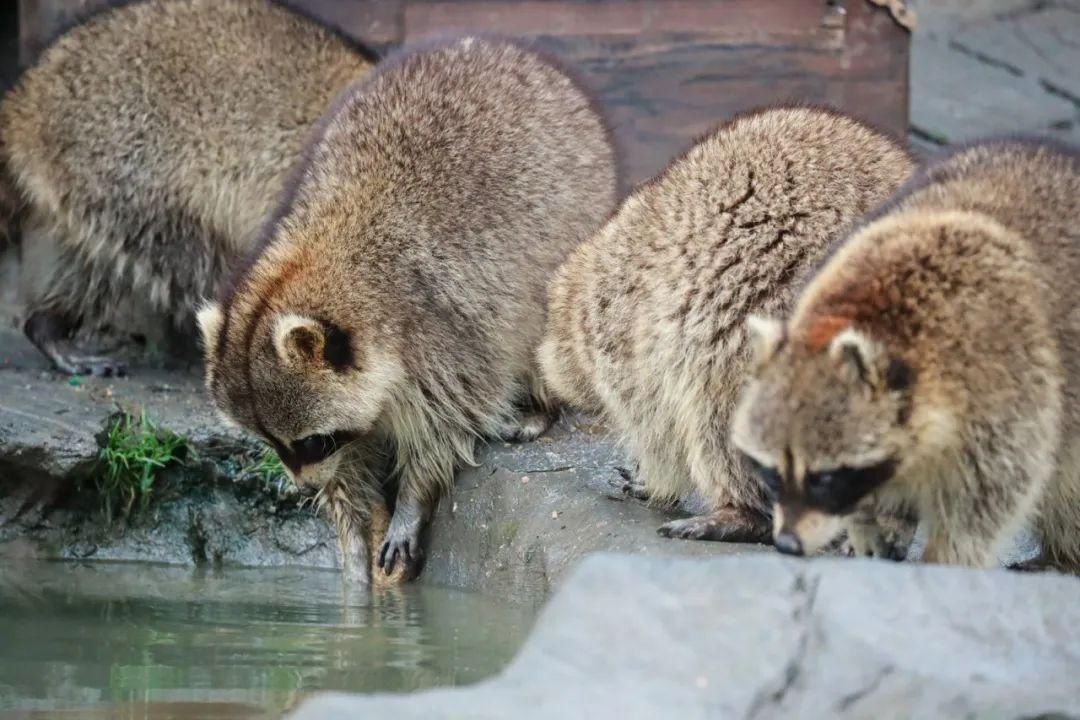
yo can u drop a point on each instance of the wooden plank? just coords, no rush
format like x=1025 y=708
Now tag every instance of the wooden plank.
x=42 y=20
x=379 y=24
x=727 y=20
x=874 y=40
x=669 y=71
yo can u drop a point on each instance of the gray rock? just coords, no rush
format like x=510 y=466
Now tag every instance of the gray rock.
x=769 y=637
x=952 y=14
x=207 y=512
x=989 y=68
x=517 y=523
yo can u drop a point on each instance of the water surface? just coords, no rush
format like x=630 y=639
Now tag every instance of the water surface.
x=141 y=641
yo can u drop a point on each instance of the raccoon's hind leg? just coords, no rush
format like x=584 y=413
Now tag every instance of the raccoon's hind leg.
x=66 y=290
x=50 y=331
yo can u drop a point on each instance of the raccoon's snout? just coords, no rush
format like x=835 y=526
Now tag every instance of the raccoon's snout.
x=788 y=543
x=307 y=491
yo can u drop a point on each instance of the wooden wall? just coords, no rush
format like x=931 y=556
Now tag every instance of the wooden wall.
x=667 y=70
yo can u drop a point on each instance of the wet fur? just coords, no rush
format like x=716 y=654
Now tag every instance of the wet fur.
x=147 y=144
x=968 y=280
x=441 y=195
x=646 y=318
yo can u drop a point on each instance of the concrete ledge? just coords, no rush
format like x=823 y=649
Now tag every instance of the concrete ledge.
x=770 y=637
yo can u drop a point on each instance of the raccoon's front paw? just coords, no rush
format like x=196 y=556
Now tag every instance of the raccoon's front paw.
x=529 y=426
x=402 y=544
x=97 y=366
x=866 y=539
x=630 y=485
x=728 y=524
x=1035 y=564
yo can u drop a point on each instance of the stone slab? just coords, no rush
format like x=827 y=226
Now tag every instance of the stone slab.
x=770 y=637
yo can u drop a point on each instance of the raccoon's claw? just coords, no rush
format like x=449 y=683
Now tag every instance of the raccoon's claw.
x=886 y=551
x=729 y=524
x=95 y=366
x=407 y=549
x=48 y=330
x=890 y=541
x=630 y=485
x=634 y=489
x=1035 y=564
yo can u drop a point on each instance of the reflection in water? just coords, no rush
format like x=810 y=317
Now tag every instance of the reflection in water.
x=138 y=641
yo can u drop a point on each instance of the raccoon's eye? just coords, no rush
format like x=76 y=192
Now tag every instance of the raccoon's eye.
x=820 y=481
x=314 y=448
x=839 y=489
x=768 y=476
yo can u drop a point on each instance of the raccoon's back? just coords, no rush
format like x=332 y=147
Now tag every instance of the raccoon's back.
x=735 y=225
x=197 y=107
x=475 y=166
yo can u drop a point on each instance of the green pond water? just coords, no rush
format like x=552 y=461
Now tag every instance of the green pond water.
x=138 y=641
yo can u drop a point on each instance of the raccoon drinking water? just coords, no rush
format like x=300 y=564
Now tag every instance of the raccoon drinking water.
x=646 y=317
x=139 y=156
x=933 y=366
x=399 y=297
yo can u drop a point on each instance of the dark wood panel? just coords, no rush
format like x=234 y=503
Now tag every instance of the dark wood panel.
x=669 y=71
x=379 y=24
x=41 y=20
x=731 y=20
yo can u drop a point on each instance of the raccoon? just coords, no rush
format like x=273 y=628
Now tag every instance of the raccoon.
x=143 y=150
x=646 y=317
x=933 y=366
x=399 y=296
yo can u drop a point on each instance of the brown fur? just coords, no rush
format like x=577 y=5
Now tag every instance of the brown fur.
x=646 y=317
x=147 y=146
x=940 y=345
x=400 y=296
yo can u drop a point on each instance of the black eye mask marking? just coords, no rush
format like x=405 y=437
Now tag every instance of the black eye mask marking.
x=837 y=491
x=312 y=449
x=769 y=477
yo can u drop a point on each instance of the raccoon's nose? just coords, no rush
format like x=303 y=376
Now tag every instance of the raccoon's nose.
x=788 y=543
x=307 y=490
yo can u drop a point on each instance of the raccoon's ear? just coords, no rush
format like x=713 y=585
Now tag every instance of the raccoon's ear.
x=861 y=353
x=299 y=339
x=210 y=319
x=308 y=340
x=766 y=336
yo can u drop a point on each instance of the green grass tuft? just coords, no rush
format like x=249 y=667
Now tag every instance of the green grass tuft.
x=268 y=468
x=135 y=452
